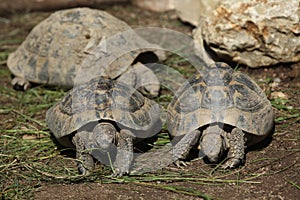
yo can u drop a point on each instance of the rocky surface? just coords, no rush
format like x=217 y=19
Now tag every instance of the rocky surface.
x=189 y=11
x=46 y=5
x=255 y=33
x=154 y=5
x=192 y=11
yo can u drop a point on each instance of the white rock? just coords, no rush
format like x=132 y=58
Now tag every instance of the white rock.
x=155 y=5
x=254 y=33
x=189 y=11
x=192 y=11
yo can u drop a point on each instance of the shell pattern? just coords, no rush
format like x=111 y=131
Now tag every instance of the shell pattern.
x=223 y=96
x=103 y=99
x=58 y=47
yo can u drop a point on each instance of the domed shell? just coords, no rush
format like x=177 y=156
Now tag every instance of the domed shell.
x=220 y=95
x=55 y=49
x=103 y=99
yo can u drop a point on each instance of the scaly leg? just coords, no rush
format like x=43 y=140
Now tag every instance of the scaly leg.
x=85 y=160
x=236 y=154
x=124 y=156
x=182 y=148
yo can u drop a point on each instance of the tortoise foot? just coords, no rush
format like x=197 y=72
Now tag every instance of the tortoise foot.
x=20 y=84
x=85 y=165
x=232 y=163
x=120 y=172
x=181 y=163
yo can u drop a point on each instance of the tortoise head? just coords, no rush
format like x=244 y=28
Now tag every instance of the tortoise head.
x=146 y=80
x=142 y=78
x=212 y=143
x=150 y=90
x=104 y=135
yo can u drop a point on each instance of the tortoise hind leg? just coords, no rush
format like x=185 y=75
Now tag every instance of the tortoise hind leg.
x=236 y=154
x=20 y=83
x=85 y=161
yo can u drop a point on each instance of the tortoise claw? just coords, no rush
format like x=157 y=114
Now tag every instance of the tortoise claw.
x=85 y=165
x=20 y=84
x=119 y=173
x=180 y=163
x=83 y=171
x=231 y=163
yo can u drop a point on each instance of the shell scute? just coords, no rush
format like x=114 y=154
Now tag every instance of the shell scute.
x=102 y=99
x=233 y=99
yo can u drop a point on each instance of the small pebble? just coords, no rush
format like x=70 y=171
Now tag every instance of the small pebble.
x=278 y=94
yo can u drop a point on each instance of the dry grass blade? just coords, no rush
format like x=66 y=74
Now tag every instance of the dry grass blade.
x=293 y=184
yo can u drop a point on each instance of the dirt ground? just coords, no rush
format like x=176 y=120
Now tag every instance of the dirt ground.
x=271 y=172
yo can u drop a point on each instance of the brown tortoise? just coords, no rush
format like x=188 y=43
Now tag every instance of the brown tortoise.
x=221 y=111
x=74 y=41
x=103 y=116
x=224 y=111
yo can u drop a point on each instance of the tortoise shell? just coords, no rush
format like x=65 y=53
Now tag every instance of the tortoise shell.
x=103 y=99
x=220 y=95
x=55 y=49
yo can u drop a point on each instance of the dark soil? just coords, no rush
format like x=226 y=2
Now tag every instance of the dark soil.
x=270 y=172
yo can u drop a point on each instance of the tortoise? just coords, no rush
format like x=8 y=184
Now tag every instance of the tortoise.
x=223 y=111
x=103 y=116
x=81 y=38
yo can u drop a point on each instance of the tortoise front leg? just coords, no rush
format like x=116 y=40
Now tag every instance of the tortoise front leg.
x=85 y=161
x=236 y=153
x=20 y=83
x=124 y=157
x=182 y=148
